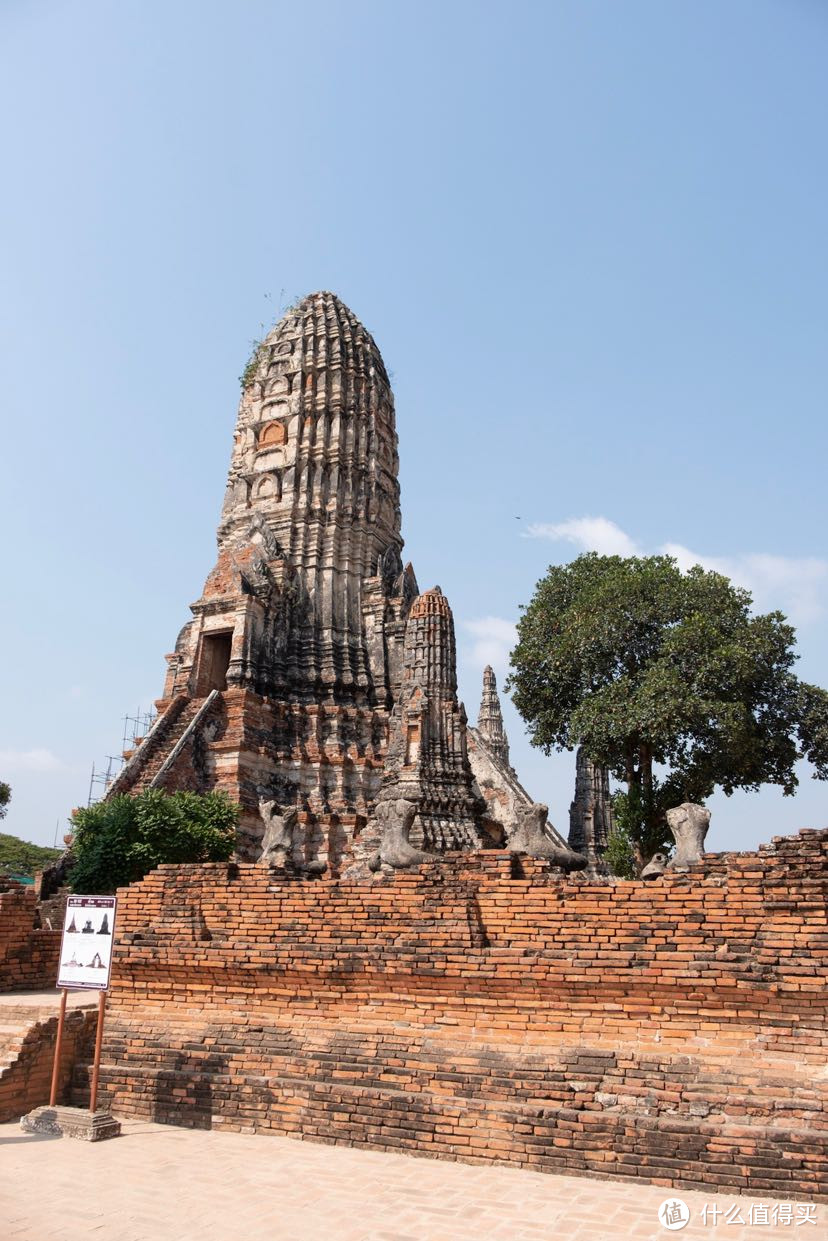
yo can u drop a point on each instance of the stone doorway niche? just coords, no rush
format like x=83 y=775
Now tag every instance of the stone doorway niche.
x=213 y=661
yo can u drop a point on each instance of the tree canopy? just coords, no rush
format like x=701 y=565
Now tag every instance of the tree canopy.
x=19 y=857
x=648 y=667
x=5 y=798
x=117 y=842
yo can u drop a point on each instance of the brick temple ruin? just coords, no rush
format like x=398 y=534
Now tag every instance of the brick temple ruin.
x=406 y=955
x=314 y=676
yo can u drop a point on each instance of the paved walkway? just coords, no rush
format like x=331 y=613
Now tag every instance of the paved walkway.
x=48 y=999
x=158 y=1183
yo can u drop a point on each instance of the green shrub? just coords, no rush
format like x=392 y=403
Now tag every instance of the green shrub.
x=119 y=841
x=619 y=854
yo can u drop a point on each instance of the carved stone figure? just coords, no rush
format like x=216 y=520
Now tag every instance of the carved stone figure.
x=530 y=837
x=282 y=843
x=655 y=867
x=394 y=820
x=688 y=823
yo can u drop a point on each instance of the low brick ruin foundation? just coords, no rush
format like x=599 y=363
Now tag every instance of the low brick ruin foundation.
x=28 y=952
x=481 y=1009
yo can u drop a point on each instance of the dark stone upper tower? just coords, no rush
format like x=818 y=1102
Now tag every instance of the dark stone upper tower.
x=590 y=814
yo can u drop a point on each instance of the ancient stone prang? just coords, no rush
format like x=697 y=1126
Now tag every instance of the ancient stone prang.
x=505 y=798
x=427 y=762
x=490 y=719
x=311 y=631
x=590 y=814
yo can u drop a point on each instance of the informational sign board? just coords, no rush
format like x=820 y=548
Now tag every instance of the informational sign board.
x=86 y=947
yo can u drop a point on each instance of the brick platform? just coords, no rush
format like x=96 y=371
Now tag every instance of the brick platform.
x=483 y=1010
x=28 y=1029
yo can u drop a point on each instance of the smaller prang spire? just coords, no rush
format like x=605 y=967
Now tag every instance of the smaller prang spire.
x=490 y=719
x=591 y=819
x=427 y=762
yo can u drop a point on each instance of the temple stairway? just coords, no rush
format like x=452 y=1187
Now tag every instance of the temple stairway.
x=175 y=728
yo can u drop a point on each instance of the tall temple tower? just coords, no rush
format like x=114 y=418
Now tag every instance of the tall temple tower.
x=281 y=685
x=310 y=636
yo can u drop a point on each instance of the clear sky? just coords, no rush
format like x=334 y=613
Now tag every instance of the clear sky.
x=588 y=237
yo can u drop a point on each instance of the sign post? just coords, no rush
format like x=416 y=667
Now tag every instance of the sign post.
x=93 y=1098
x=85 y=964
x=58 y=1042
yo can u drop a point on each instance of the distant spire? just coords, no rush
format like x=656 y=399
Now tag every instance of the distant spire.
x=590 y=815
x=490 y=719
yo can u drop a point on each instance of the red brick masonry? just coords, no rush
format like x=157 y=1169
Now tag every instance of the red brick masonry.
x=28 y=955
x=28 y=1055
x=480 y=1009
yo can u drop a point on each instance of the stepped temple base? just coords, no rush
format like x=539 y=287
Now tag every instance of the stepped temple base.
x=487 y=1009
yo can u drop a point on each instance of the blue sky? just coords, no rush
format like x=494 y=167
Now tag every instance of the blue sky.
x=589 y=239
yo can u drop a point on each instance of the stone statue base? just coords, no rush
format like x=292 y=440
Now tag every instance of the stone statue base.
x=71 y=1122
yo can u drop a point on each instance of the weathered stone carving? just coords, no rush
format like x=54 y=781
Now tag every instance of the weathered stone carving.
x=590 y=814
x=283 y=840
x=394 y=820
x=655 y=867
x=688 y=823
x=530 y=837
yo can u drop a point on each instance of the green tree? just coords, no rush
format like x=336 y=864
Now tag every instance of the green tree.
x=19 y=857
x=648 y=667
x=5 y=798
x=117 y=842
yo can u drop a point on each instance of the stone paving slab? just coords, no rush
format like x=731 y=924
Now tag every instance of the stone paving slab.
x=159 y=1183
x=47 y=999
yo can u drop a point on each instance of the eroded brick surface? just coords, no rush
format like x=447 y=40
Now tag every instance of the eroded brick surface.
x=28 y=953
x=673 y=1032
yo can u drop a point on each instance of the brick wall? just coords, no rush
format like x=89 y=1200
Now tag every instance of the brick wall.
x=26 y=1081
x=482 y=1009
x=28 y=954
